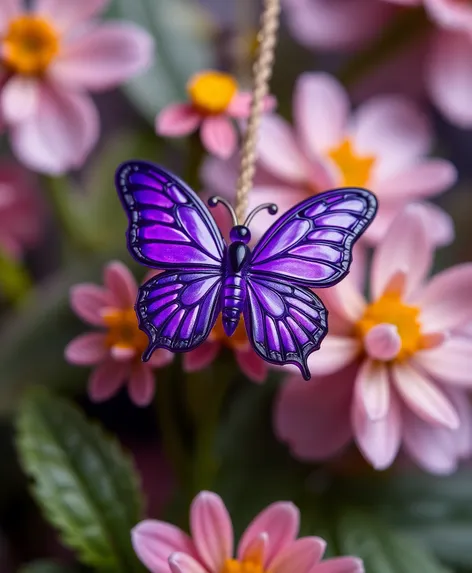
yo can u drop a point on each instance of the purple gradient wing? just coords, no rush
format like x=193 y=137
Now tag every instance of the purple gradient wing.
x=311 y=244
x=177 y=310
x=169 y=226
x=285 y=323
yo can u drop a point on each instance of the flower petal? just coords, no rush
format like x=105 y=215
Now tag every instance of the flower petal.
x=184 y=563
x=450 y=14
x=103 y=57
x=280 y=521
x=321 y=108
x=431 y=447
x=9 y=9
x=160 y=358
x=340 y=565
x=446 y=301
x=88 y=300
x=372 y=388
x=256 y=550
x=251 y=364
x=201 y=357
x=336 y=24
x=122 y=285
x=335 y=353
x=141 y=385
x=107 y=379
x=449 y=76
x=219 y=136
x=87 y=349
x=406 y=247
x=300 y=556
x=19 y=98
x=346 y=299
x=240 y=106
x=155 y=541
x=66 y=14
x=313 y=417
x=177 y=119
x=394 y=130
x=383 y=342
x=212 y=530
x=279 y=152
x=378 y=440
x=451 y=362
x=423 y=396
x=61 y=135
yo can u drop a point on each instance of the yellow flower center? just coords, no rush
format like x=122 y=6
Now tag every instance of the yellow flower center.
x=390 y=309
x=123 y=332
x=356 y=169
x=248 y=566
x=235 y=342
x=29 y=45
x=212 y=92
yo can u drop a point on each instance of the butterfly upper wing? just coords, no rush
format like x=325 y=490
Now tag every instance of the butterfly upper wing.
x=169 y=225
x=177 y=310
x=285 y=323
x=311 y=244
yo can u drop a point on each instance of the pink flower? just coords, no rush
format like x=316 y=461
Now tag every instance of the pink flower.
x=381 y=146
x=248 y=361
x=51 y=55
x=116 y=349
x=392 y=370
x=269 y=543
x=20 y=211
x=214 y=100
x=445 y=67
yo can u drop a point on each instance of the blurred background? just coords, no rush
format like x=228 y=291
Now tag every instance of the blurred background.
x=81 y=227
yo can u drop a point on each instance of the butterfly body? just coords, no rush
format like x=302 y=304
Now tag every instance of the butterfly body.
x=310 y=246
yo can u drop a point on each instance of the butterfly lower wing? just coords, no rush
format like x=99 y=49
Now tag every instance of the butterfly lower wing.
x=311 y=244
x=169 y=226
x=177 y=310
x=285 y=323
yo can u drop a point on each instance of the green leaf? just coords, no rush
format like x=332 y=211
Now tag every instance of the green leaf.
x=45 y=566
x=85 y=484
x=434 y=510
x=382 y=550
x=182 y=48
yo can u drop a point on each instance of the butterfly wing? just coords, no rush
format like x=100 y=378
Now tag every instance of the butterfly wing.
x=285 y=323
x=177 y=310
x=311 y=244
x=169 y=226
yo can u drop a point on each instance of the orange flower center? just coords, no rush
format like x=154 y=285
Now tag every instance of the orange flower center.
x=29 y=45
x=235 y=342
x=356 y=169
x=211 y=92
x=247 y=566
x=390 y=309
x=123 y=332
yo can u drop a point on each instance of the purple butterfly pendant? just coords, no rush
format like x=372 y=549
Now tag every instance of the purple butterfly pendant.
x=171 y=229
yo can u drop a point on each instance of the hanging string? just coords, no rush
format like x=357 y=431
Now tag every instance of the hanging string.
x=262 y=72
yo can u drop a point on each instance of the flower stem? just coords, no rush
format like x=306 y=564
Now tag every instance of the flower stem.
x=15 y=282
x=405 y=29
x=196 y=153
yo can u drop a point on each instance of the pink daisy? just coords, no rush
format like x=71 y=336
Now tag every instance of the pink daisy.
x=116 y=349
x=214 y=101
x=381 y=146
x=445 y=66
x=20 y=211
x=269 y=543
x=392 y=369
x=51 y=55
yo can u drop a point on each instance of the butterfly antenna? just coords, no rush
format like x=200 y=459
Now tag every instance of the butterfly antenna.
x=271 y=207
x=213 y=202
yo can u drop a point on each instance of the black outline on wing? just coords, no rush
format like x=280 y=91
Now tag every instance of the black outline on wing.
x=125 y=191
x=206 y=316
x=297 y=213
x=285 y=291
